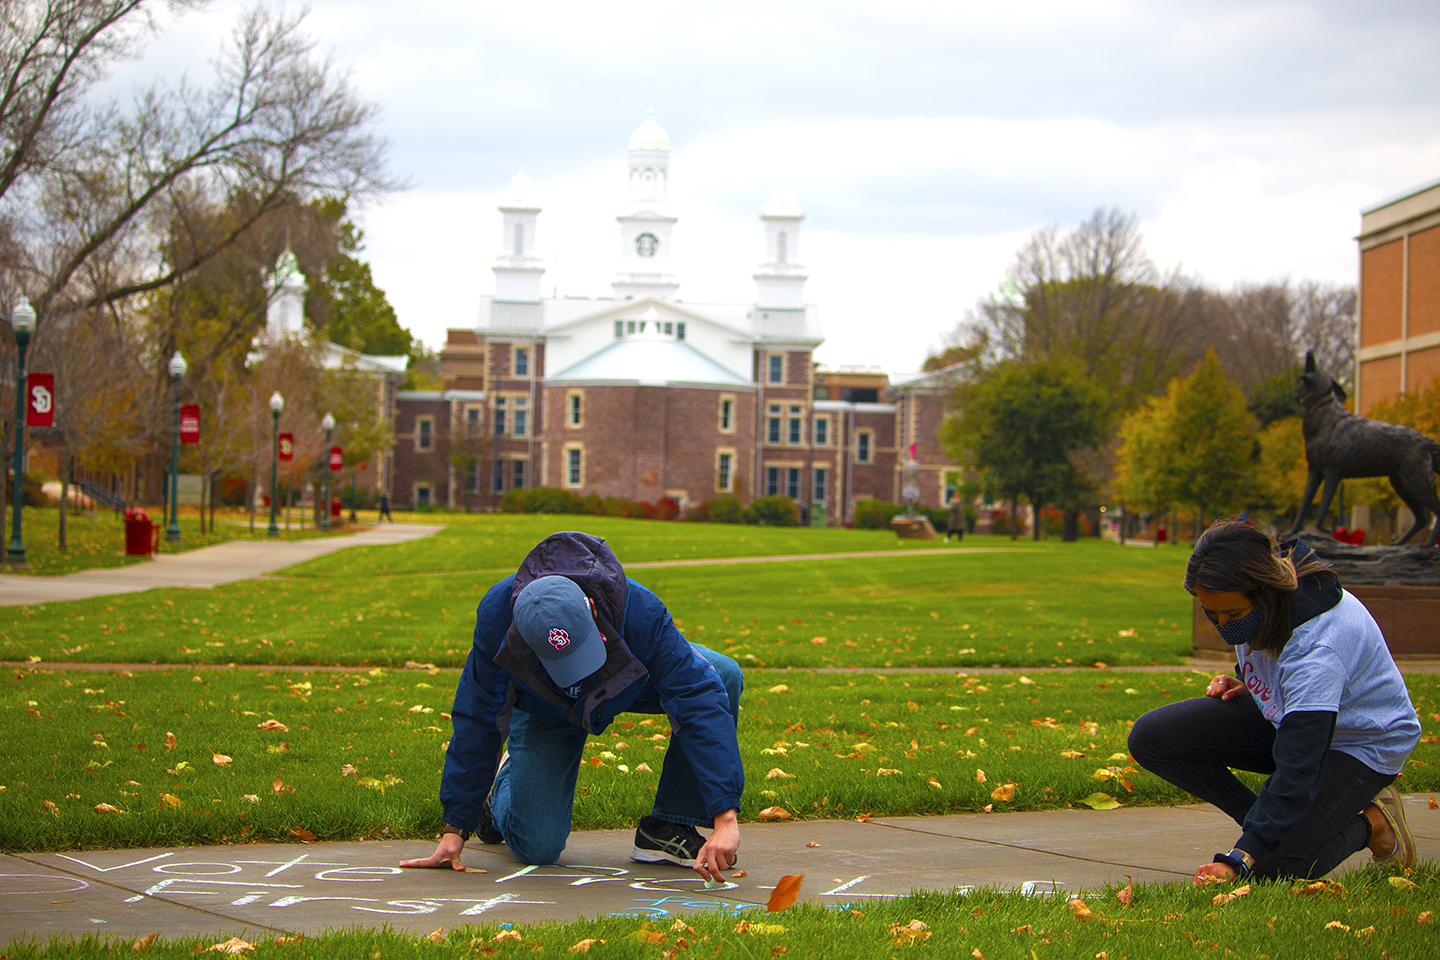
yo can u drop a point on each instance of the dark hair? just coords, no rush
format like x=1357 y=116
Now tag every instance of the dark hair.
x=1240 y=556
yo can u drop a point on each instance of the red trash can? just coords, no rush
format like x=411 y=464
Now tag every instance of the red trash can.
x=138 y=536
x=334 y=506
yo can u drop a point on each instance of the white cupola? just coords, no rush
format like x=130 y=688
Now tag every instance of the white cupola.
x=517 y=269
x=780 y=280
x=285 y=307
x=646 y=226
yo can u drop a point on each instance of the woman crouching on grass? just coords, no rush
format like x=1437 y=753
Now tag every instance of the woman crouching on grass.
x=1319 y=706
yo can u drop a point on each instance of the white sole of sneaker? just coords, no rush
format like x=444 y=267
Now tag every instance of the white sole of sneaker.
x=640 y=855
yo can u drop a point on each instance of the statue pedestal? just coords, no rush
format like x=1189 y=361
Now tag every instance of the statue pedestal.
x=913 y=528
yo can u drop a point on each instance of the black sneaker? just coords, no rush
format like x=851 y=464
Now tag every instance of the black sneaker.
x=659 y=841
x=486 y=830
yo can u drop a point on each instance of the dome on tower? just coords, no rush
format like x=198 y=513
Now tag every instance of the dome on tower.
x=519 y=192
x=649 y=135
x=782 y=202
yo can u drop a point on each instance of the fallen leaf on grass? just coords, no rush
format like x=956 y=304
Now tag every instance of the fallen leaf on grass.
x=436 y=936
x=980 y=776
x=507 y=935
x=170 y=742
x=106 y=808
x=140 y=945
x=913 y=932
x=51 y=809
x=300 y=834
x=977 y=954
x=233 y=945
x=273 y=725
x=886 y=772
x=648 y=936
x=1223 y=898
x=778 y=951
x=776 y=773
x=278 y=787
x=774 y=813
x=1072 y=754
x=643 y=768
x=1005 y=793
x=170 y=800
x=1423 y=919
x=1310 y=890
x=219 y=759
x=1101 y=801
x=779 y=688
x=1126 y=896
x=680 y=926
x=286 y=941
x=784 y=893
x=1025 y=929
x=1400 y=883
x=1082 y=912
x=1337 y=925
x=348 y=771
x=759 y=929
x=935 y=783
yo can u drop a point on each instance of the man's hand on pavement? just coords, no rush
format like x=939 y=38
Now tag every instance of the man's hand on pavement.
x=447 y=853
x=719 y=850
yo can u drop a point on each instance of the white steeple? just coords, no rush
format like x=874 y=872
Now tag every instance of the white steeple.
x=645 y=227
x=285 y=309
x=780 y=280
x=517 y=269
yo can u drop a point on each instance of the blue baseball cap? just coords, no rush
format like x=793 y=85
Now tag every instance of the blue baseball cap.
x=553 y=616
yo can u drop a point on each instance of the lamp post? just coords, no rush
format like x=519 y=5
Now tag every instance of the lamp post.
x=329 y=424
x=178 y=366
x=277 y=403
x=22 y=318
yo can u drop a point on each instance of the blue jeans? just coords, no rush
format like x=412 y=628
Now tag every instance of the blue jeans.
x=535 y=793
x=1194 y=744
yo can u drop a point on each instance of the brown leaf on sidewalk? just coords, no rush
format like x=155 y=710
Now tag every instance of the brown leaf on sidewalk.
x=738 y=873
x=1433 y=804
x=273 y=725
x=300 y=834
x=812 y=843
x=774 y=813
x=140 y=945
x=1127 y=896
x=784 y=893
x=863 y=817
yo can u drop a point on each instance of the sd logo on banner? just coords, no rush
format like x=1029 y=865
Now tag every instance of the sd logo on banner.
x=40 y=405
x=287 y=446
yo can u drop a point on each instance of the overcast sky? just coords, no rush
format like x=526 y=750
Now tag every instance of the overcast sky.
x=925 y=141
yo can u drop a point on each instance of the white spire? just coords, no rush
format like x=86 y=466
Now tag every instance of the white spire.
x=285 y=309
x=780 y=280
x=645 y=227
x=518 y=271
x=649 y=135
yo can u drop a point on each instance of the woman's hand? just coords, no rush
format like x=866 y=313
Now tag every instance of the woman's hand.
x=1214 y=873
x=447 y=854
x=1225 y=686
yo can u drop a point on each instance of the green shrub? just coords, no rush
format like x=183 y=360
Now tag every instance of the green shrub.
x=876 y=514
x=592 y=504
x=773 y=512
x=540 y=500
x=725 y=508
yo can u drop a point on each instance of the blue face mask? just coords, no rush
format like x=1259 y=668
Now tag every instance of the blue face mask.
x=1240 y=630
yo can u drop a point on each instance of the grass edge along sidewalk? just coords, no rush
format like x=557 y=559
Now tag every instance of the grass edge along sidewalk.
x=1370 y=913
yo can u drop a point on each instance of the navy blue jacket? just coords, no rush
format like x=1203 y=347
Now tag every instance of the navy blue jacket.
x=642 y=644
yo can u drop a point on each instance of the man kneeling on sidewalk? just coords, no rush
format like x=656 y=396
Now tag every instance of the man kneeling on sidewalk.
x=562 y=647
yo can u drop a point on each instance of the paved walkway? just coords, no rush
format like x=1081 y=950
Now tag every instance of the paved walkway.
x=203 y=568
x=264 y=889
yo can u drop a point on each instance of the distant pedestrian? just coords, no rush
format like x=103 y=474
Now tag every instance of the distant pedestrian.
x=384 y=509
x=956 y=524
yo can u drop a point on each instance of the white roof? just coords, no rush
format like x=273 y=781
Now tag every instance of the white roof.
x=337 y=356
x=649 y=361
x=649 y=135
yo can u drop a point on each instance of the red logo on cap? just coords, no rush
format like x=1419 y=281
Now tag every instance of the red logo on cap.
x=559 y=639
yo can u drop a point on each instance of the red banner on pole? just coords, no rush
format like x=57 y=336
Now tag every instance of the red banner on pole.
x=337 y=458
x=40 y=405
x=190 y=423
x=287 y=446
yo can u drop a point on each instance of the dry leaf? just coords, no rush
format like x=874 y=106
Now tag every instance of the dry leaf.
x=643 y=768
x=776 y=773
x=1126 y=896
x=784 y=893
x=273 y=725
x=584 y=945
x=507 y=935
x=988 y=808
x=680 y=926
x=778 y=951
x=1337 y=925
x=980 y=775
x=1423 y=919
x=220 y=759
x=1433 y=804
x=1101 y=801
x=779 y=688
x=1223 y=898
x=1082 y=912
x=300 y=834
x=436 y=936
x=742 y=927
x=812 y=843
x=106 y=808
x=774 y=813
x=1025 y=929
x=913 y=932
x=170 y=742
x=977 y=954
x=1400 y=883
x=935 y=783
x=648 y=936
x=863 y=817
x=1310 y=890
x=233 y=945
x=348 y=771
x=51 y=809
x=1072 y=755
x=139 y=945
x=738 y=873
x=285 y=941
x=170 y=800
x=1005 y=792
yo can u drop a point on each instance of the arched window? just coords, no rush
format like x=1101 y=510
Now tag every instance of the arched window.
x=519 y=239
x=780 y=247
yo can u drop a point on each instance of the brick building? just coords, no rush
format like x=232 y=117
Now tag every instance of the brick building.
x=644 y=396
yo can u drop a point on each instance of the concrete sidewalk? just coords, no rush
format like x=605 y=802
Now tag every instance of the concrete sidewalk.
x=203 y=568
x=263 y=889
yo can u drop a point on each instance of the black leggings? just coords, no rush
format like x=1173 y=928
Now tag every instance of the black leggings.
x=1195 y=743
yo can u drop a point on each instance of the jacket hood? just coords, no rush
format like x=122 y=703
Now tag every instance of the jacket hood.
x=1317 y=592
x=588 y=561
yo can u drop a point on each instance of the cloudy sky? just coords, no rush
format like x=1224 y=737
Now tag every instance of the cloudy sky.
x=925 y=141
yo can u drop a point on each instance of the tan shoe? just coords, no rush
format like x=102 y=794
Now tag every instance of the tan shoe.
x=1392 y=807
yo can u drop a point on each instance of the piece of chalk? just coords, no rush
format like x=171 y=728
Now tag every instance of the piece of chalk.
x=710 y=884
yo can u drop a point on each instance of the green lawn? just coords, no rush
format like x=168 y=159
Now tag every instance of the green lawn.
x=1368 y=917
x=98 y=541
x=1021 y=605
x=819 y=745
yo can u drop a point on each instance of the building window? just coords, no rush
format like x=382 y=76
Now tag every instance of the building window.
x=497 y=476
x=822 y=485
x=519 y=240
x=472 y=421
x=680 y=331
x=574 y=464
x=629 y=326
x=777 y=368
x=722 y=472
x=862 y=446
x=424 y=427
x=772 y=434
x=499 y=416
x=472 y=478
x=518 y=424
x=779 y=247
x=517 y=474
x=822 y=432
x=792 y=483
x=573 y=412
x=795 y=426
x=422 y=496
x=727 y=415
x=619 y=329
x=522 y=363
x=669 y=328
x=772 y=481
